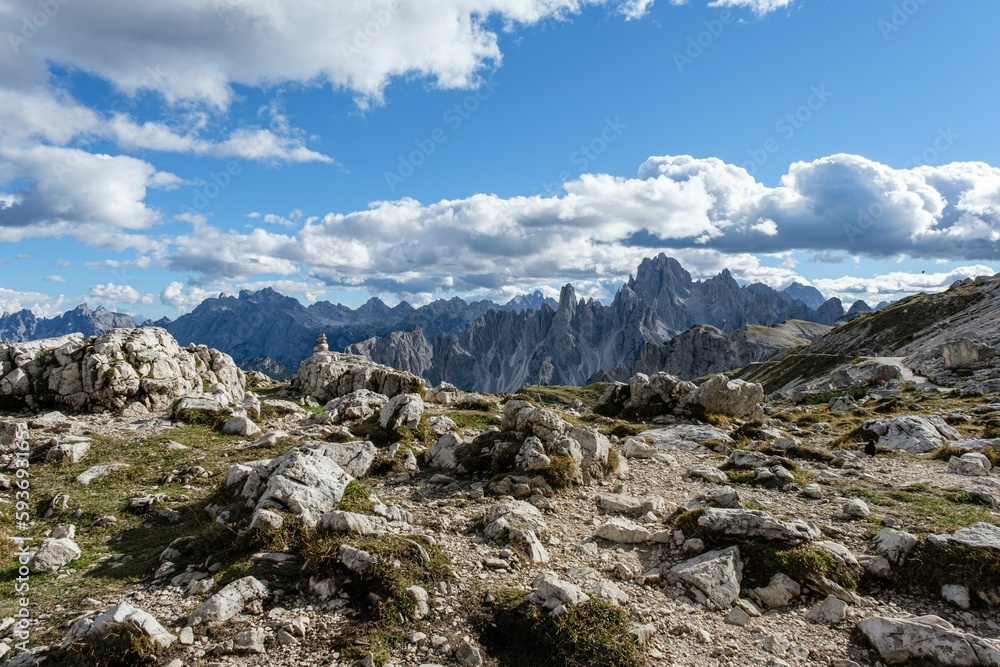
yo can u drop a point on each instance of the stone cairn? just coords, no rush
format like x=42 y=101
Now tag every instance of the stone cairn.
x=321 y=345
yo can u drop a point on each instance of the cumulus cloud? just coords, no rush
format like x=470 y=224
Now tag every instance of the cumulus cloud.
x=42 y=305
x=71 y=192
x=114 y=293
x=183 y=298
x=707 y=213
x=891 y=286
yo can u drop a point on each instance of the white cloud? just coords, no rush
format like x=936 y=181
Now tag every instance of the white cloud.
x=182 y=298
x=759 y=7
x=42 y=305
x=72 y=192
x=113 y=294
x=705 y=212
x=892 y=286
x=54 y=279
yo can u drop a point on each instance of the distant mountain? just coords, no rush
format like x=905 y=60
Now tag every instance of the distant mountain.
x=703 y=349
x=24 y=325
x=269 y=328
x=532 y=301
x=918 y=325
x=504 y=350
x=807 y=294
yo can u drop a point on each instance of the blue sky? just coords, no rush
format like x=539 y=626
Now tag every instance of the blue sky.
x=152 y=156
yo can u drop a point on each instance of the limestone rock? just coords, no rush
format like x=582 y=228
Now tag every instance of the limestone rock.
x=550 y=592
x=304 y=481
x=755 y=523
x=13 y=436
x=53 y=555
x=712 y=578
x=444 y=452
x=242 y=426
x=329 y=375
x=229 y=602
x=402 y=410
x=112 y=371
x=830 y=611
x=123 y=618
x=894 y=545
x=779 y=592
x=972 y=464
x=904 y=641
x=630 y=505
x=734 y=398
x=978 y=535
x=963 y=353
x=90 y=474
x=910 y=433
x=622 y=531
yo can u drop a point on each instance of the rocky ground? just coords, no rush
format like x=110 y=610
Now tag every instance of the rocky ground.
x=653 y=523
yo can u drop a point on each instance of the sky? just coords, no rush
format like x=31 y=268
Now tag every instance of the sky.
x=155 y=154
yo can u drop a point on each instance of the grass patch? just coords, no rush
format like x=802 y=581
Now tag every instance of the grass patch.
x=125 y=649
x=561 y=471
x=928 y=509
x=762 y=560
x=824 y=397
x=474 y=420
x=592 y=634
x=931 y=566
x=380 y=592
x=356 y=498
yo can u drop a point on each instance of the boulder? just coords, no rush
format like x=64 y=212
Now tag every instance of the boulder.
x=304 y=481
x=444 y=452
x=901 y=641
x=229 y=602
x=402 y=410
x=755 y=523
x=713 y=578
x=971 y=464
x=114 y=370
x=630 y=505
x=328 y=375
x=550 y=593
x=686 y=437
x=121 y=619
x=69 y=449
x=242 y=426
x=910 y=433
x=733 y=398
x=830 y=611
x=977 y=536
x=963 y=353
x=779 y=592
x=894 y=545
x=622 y=531
x=53 y=555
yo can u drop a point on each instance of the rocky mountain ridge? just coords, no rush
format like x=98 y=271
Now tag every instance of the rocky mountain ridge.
x=25 y=325
x=580 y=338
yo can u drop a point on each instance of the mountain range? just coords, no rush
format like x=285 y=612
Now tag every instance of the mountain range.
x=579 y=340
x=484 y=346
